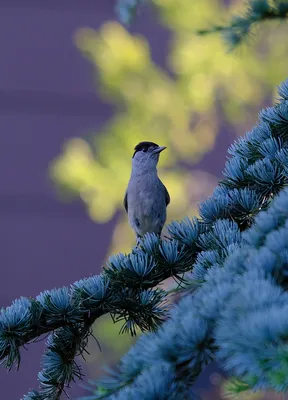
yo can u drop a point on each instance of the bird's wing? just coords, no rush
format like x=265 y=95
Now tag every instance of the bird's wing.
x=167 y=196
x=125 y=202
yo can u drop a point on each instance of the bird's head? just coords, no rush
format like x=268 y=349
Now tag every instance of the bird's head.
x=146 y=155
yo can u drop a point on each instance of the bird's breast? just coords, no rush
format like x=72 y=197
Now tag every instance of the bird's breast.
x=146 y=205
x=144 y=197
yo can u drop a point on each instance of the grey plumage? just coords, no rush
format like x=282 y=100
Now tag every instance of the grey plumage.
x=146 y=197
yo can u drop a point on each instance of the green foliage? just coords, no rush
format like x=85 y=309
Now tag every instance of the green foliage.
x=235 y=389
x=235 y=386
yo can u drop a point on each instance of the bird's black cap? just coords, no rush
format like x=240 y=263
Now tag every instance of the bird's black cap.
x=144 y=146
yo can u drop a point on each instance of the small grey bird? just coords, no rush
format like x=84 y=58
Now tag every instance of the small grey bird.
x=146 y=197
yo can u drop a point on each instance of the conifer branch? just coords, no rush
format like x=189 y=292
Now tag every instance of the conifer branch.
x=127 y=9
x=238 y=317
x=255 y=173
x=241 y=26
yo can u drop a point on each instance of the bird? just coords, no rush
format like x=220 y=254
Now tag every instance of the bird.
x=146 y=197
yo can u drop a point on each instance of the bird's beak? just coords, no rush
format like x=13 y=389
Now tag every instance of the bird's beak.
x=159 y=149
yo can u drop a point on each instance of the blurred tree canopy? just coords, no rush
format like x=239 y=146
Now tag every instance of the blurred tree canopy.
x=182 y=109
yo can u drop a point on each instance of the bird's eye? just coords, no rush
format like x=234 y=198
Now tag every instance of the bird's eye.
x=144 y=150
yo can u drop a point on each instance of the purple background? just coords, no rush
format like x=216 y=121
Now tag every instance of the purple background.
x=47 y=95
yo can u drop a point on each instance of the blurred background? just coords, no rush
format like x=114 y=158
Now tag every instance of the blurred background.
x=77 y=92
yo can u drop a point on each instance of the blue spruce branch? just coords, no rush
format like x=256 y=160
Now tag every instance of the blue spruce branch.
x=238 y=317
x=254 y=175
x=126 y=10
x=241 y=26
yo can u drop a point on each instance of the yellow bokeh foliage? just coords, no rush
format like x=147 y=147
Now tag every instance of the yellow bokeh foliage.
x=183 y=109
